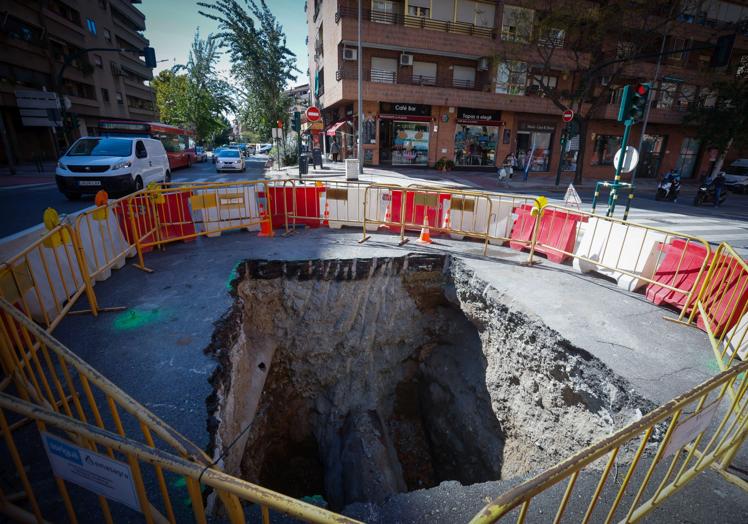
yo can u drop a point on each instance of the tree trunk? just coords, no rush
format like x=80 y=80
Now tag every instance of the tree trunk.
x=583 y=126
x=721 y=158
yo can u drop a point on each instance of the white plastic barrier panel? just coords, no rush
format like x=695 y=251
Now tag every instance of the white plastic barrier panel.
x=737 y=339
x=216 y=210
x=619 y=247
x=47 y=277
x=345 y=205
x=470 y=214
x=103 y=243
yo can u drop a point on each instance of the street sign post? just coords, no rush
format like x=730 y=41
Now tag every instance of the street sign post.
x=567 y=115
x=39 y=108
x=313 y=114
x=630 y=160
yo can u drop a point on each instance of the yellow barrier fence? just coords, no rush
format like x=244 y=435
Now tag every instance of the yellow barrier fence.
x=70 y=431
x=47 y=277
x=672 y=265
x=417 y=207
x=665 y=450
x=45 y=373
x=722 y=306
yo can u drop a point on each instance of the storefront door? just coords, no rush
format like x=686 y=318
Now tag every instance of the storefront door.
x=385 y=142
x=689 y=151
x=651 y=155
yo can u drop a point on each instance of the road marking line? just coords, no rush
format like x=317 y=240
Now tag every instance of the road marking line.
x=724 y=238
x=43 y=185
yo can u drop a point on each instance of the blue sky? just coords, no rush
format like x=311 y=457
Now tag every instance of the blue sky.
x=171 y=25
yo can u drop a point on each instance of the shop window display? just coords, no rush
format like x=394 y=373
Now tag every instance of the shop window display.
x=475 y=145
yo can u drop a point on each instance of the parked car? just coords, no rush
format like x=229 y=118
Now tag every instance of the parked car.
x=230 y=160
x=251 y=149
x=200 y=154
x=264 y=149
x=118 y=165
x=736 y=176
x=216 y=152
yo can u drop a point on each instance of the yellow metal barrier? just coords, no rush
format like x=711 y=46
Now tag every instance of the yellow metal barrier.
x=420 y=206
x=723 y=306
x=620 y=248
x=705 y=428
x=44 y=372
x=47 y=277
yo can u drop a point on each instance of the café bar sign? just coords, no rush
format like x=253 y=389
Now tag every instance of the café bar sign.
x=468 y=115
x=543 y=127
x=404 y=108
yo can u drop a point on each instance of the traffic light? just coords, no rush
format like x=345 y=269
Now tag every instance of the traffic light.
x=633 y=102
x=297 y=121
x=280 y=124
x=149 y=54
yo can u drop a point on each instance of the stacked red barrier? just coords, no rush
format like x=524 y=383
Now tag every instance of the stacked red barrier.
x=557 y=234
x=679 y=268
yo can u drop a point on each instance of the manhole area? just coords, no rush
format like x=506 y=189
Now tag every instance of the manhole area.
x=358 y=379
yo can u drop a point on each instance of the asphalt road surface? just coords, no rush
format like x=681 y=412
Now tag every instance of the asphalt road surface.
x=22 y=207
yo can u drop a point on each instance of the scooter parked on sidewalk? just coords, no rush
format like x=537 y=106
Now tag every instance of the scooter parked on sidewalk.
x=712 y=190
x=669 y=187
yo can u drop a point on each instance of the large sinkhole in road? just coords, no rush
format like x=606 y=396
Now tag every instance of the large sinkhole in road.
x=357 y=379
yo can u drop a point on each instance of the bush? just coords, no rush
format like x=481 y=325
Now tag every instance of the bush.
x=444 y=164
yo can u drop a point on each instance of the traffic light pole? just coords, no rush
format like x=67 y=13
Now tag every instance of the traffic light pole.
x=613 y=197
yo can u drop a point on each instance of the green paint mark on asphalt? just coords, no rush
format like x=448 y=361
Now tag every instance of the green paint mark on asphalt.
x=232 y=276
x=712 y=366
x=180 y=483
x=136 y=318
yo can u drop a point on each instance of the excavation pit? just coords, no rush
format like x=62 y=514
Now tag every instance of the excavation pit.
x=357 y=379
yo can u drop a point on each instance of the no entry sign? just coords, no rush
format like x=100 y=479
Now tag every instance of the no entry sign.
x=313 y=114
x=568 y=115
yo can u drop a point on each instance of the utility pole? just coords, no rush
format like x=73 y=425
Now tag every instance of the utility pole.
x=360 y=150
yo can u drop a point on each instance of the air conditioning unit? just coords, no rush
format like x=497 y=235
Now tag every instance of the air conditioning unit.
x=350 y=53
x=406 y=59
x=483 y=64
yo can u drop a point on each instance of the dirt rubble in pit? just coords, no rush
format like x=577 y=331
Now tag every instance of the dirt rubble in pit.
x=360 y=379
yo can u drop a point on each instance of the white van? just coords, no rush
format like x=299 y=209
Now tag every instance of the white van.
x=118 y=165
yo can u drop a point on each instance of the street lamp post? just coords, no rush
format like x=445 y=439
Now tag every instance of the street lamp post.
x=360 y=149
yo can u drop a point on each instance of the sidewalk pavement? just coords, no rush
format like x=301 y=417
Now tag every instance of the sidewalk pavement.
x=480 y=179
x=27 y=174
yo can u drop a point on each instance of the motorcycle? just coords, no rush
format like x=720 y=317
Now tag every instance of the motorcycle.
x=668 y=189
x=707 y=192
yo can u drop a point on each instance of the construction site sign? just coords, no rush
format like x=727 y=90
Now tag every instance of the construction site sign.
x=572 y=198
x=92 y=471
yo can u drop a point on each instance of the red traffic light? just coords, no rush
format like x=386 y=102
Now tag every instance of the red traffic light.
x=642 y=89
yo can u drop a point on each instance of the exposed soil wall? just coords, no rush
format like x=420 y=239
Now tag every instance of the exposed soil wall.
x=357 y=379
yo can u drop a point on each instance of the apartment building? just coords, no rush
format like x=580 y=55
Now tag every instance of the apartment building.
x=458 y=79
x=35 y=36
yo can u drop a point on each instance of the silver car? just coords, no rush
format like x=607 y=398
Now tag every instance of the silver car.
x=230 y=160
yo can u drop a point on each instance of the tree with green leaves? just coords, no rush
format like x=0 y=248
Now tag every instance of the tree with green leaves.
x=193 y=95
x=579 y=54
x=261 y=62
x=721 y=117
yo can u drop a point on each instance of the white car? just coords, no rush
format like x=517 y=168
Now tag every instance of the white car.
x=117 y=165
x=229 y=160
x=736 y=176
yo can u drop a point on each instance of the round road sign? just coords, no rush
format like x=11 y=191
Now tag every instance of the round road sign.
x=313 y=114
x=629 y=160
x=568 y=115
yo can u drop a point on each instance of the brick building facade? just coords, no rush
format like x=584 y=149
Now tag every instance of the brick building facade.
x=434 y=87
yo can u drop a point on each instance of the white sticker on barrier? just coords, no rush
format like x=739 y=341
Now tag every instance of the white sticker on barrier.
x=616 y=247
x=690 y=428
x=92 y=471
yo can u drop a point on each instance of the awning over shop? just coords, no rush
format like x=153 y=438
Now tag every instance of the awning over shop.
x=334 y=128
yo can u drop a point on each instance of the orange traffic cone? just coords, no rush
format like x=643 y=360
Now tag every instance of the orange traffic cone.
x=266 y=226
x=387 y=217
x=326 y=215
x=447 y=224
x=425 y=237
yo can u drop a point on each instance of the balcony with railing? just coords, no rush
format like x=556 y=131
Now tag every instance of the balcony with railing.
x=380 y=76
x=415 y=22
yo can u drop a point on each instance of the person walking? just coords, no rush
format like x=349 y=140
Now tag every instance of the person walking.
x=334 y=150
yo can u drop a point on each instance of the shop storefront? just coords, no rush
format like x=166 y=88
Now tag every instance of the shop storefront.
x=476 y=137
x=404 y=134
x=534 y=145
